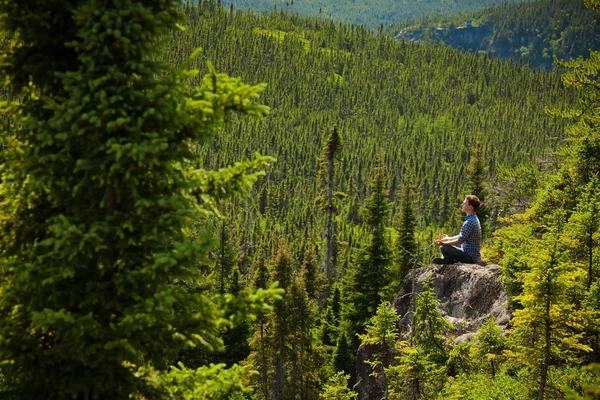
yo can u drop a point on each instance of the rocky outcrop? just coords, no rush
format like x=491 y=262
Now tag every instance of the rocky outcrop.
x=465 y=37
x=468 y=294
x=474 y=38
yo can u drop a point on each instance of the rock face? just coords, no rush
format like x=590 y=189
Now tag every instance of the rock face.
x=468 y=294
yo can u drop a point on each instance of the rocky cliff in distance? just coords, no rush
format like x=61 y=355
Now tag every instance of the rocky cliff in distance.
x=465 y=37
x=468 y=294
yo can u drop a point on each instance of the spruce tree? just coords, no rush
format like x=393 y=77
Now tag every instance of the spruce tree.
x=382 y=333
x=97 y=190
x=310 y=274
x=343 y=358
x=236 y=339
x=281 y=272
x=477 y=178
x=305 y=361
x=549 y=328
x=406 y=244
x=369 y=273
x=420 y=370
x=336 y=388
x=490 y=343
x=326 y=201
x=262 y=352
x=429 y=326
x=584 y=227
x=328 y=329
x=225 y=256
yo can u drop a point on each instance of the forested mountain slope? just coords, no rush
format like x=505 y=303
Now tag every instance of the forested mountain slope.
x=371 y=13
x=417 y=107
x=534 y=32
x=147 y=253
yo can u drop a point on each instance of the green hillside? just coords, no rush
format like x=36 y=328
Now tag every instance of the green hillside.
x=418 y=107
x=370 y=13
x=148 y=252
x=534 y=32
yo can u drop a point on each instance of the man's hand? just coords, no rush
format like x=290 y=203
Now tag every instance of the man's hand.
x=440 y=241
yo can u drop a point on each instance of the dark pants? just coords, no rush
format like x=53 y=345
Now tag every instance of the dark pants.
x=456 y=254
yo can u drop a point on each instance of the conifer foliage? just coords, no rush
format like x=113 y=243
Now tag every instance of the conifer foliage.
x=331 y=151
x=98 y=187
x=368 y=276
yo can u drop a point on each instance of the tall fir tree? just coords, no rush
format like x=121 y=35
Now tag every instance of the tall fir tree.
x=336 y=388
x=310 y=274
x=549 y=327
x=262 y=352
x=406 y=244
x=490 y=343
x=306 y=360
x=369 y=273
x=236 y=338
x=477 y=184
x=98 y=188
x=344 y=358
x=327 y=200
x=382 y=333
x=584 y=227
x=225 y=255
x=281 y=272
x=420 y=370
x=429 y=327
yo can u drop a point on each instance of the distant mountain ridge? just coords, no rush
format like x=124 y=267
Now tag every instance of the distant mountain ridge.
x=533 y=33
x=370 y=13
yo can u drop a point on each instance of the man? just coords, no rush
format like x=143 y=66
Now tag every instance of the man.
x=466 y=246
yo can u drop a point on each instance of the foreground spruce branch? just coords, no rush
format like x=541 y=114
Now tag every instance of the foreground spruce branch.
x=98 y=187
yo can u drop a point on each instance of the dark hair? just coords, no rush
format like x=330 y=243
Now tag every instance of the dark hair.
x=473 y=201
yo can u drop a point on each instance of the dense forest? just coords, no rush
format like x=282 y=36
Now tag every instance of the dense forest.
x=419 y=110
x=198 y=202
x=534 y=33
x=372 y=13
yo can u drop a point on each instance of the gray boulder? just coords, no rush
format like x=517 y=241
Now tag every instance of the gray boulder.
x=469 y=295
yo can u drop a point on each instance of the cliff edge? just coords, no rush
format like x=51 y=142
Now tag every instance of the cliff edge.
x=469 y=294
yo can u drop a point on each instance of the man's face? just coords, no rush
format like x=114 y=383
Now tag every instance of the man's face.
x=466 y=207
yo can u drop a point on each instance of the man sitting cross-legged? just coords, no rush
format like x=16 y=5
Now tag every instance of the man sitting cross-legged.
x=466 y=246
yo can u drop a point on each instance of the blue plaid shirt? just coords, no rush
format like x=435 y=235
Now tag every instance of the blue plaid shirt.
x=470 y=236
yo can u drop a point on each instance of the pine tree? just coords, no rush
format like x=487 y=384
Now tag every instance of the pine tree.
x=382 y=330
x=548 y=328
x=310 y=274
x=584 y=226
x=305 y=360
x=225 y=255
x=261 y=354
x=281 y=272
x=343 y=358
x=429 y=326
x=406 y=244
x=331 y=150
x=592 y=305
x=236 y=339
x=336 y=388
x=369 y=274
x=490 y=343
x=328 y=329
x=420 y=370
x=415 y=375
x=382 y=333
x=98 y=188
x=477 y=178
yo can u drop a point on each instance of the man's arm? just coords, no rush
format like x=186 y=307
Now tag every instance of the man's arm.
x=447 y=240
